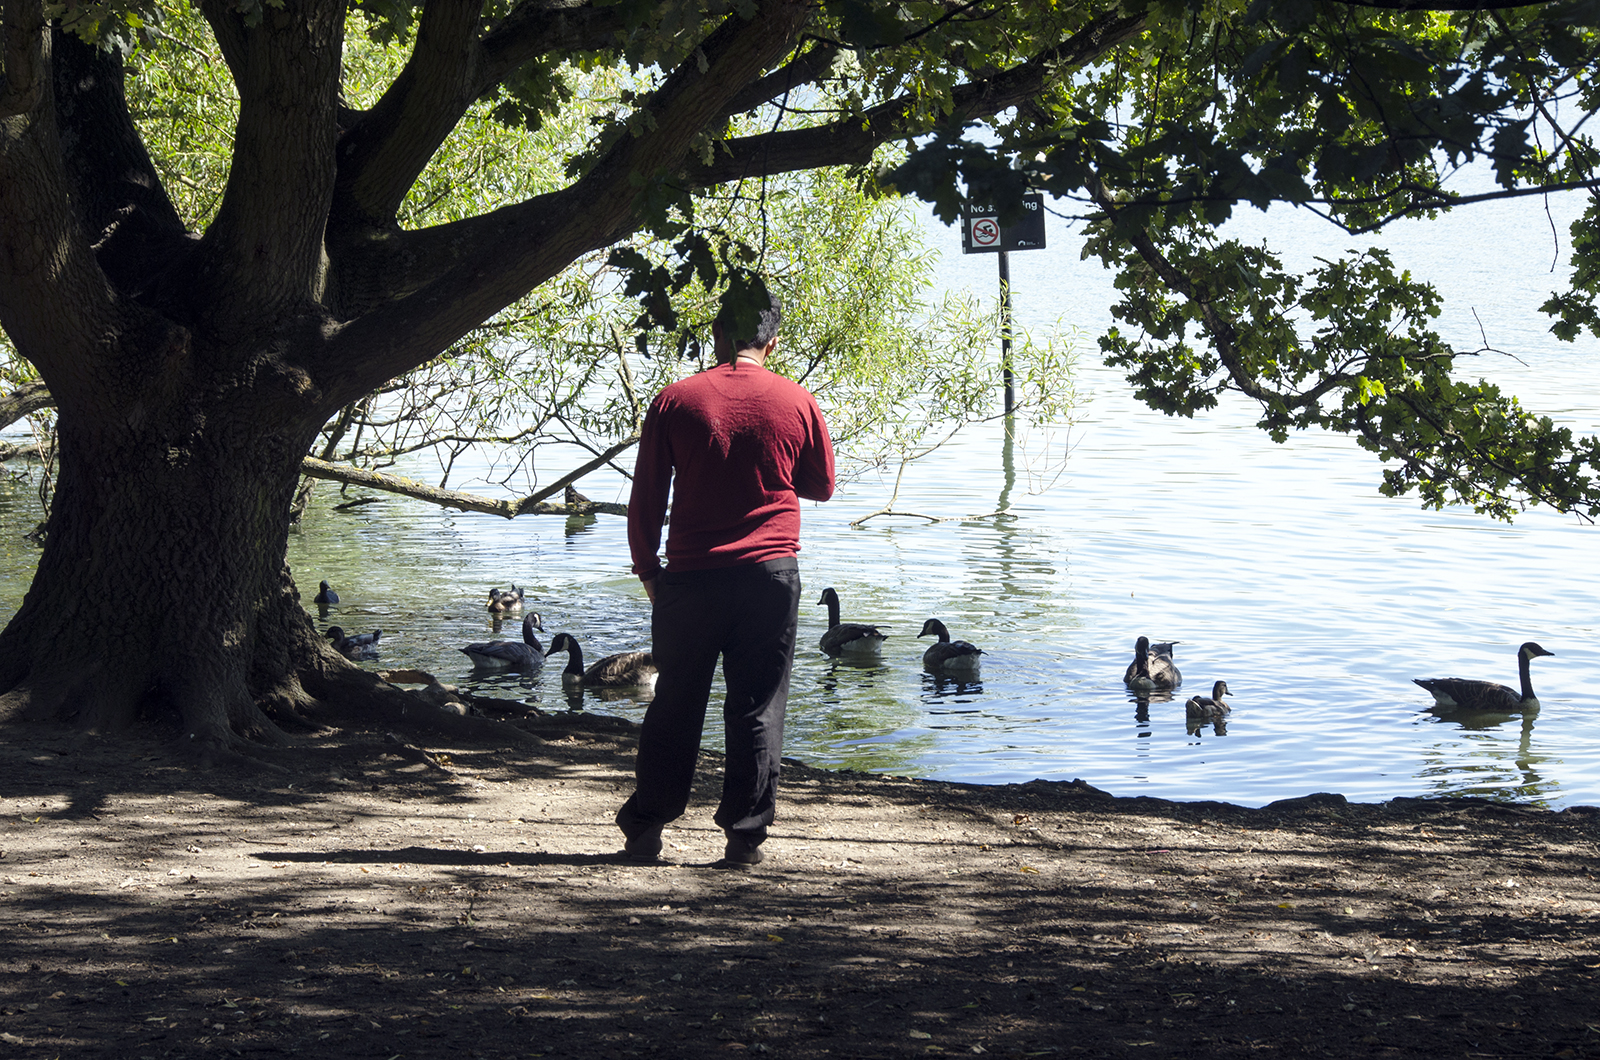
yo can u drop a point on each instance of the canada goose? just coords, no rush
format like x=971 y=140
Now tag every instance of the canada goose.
x=502 y=600
x=1152 y=668
x=325 y=595
x=508 y=654
x=847 y=638
x=1210 y=706
x=948 y=656
x=622 y=670
x=359 y=646
x=1466 y=694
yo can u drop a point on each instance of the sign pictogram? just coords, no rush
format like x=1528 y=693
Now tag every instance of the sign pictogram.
x=985 y=232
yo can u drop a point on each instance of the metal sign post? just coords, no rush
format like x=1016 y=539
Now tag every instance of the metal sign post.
x=982 y=233
x=1005 y=330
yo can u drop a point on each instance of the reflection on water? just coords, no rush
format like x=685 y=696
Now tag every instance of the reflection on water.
x=1497 y=769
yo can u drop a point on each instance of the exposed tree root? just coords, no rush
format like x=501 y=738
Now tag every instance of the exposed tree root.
x=350 y=696
x=290 y=707
x=449 y=697
x=223 y=727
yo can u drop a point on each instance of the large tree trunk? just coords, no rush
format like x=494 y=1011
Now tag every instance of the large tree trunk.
x=162 y=584
x=161 y=594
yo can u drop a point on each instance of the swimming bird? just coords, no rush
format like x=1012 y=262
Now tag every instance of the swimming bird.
x=956 y=657
x=508 y=654
x=622 y=670
x=1152 y=666
x=847 y=638
x=325 y=595
x=359 y=646
x=1467 y=694
x=1210 y=706
x=502 y=600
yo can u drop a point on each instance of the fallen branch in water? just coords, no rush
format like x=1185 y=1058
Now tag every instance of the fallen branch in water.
x=533 y=504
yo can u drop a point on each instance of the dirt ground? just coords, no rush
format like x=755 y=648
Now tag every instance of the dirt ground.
x=374 y=906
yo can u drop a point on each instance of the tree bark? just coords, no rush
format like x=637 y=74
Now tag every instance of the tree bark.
x=162 y=566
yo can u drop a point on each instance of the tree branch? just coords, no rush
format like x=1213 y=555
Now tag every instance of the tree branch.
x=539 y=28
x=1224 y=335
x=264 y=249
x=852 y=140
x=47 y=262
x=381 y=156
x=533 y=504
x=802 y=71
x=1463 y=6
x=29 y=451
x=24 y=401
x=485 y=263
x=135 y=229
x=385 y=150
x=24 y=73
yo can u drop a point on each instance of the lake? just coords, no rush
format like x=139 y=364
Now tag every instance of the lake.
x=1278 y=568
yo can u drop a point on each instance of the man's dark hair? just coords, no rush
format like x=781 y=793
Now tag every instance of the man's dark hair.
x=766 y=326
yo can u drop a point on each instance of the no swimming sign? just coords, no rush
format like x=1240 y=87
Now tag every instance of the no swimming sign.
x=983 y=233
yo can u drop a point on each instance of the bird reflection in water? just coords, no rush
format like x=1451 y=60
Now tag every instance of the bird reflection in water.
x=1196 y=726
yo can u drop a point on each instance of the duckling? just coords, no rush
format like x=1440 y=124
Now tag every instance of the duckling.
x=1467 y=694
x=622 y=670
x=847 y=638
x=1210 y=706
x=957 y=657
x=508 y=654
x=325 y=595
x=359 y=646
x=1152 y=668
x=501 y=600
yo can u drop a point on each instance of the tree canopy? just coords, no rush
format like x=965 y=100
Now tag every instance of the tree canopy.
x=195 y=355
x=1161 y=118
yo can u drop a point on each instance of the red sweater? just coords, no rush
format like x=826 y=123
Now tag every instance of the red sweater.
x=739 y=446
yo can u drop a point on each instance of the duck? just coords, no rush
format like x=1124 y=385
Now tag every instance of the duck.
x=1152 y=666
x=1466 y=694
x=948 y=656
x=358 y=646
x=503 y=600
x=622 y=670
x=508 y=654
x=1210 y=706
x=847 y=638
x=325 y=594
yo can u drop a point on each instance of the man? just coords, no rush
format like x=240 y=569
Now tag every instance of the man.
x=739 y=446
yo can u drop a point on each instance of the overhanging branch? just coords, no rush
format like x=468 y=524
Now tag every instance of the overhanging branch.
x=1440 y=5
x=520 y=246
x=24 y=401
x=853 y=139
x=1223 y=332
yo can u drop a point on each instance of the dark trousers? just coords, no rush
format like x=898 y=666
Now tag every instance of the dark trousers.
x=747 y=615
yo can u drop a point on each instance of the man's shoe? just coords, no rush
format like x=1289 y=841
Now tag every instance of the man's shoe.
x=644 y=847
x=741 y=852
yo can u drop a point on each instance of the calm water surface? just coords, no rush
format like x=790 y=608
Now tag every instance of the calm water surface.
x=1278 y=568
